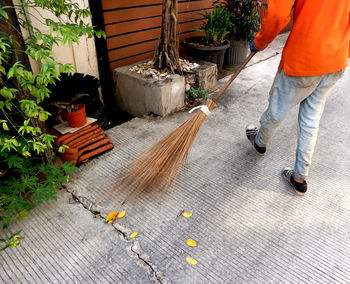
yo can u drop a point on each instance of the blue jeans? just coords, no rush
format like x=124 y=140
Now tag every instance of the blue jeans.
x=311 y=94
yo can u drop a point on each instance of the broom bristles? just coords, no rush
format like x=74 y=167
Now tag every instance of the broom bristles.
x=156 y=169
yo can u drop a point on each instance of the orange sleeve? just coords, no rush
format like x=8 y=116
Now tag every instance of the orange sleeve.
x=276 y=18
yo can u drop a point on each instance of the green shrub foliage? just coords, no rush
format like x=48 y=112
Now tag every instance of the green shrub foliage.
x=25 y=178
x=245 y=17
x=217 y=25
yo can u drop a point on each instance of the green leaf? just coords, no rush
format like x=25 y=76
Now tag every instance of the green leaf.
x=4 y=126
x=3 y=13
x=13 y=69
x=2 y=70
x=15 y=161
x=69 y=168
x=63 y=148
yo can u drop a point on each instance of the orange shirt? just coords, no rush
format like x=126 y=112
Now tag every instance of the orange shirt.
x=319 y=42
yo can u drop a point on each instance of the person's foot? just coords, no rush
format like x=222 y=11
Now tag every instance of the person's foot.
x=251 y=131
x=299 y=187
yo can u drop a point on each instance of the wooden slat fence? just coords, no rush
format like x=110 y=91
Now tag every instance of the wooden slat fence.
x=133 y=27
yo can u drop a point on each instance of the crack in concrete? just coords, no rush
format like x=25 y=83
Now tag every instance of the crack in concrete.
x=134 y=250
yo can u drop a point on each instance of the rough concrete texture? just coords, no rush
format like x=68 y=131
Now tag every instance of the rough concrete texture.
x=63 y=243
x=141 y=96
x=250 y=226
x=204 y=76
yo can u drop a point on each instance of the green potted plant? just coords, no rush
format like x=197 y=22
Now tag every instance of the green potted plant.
x=247 y=20
x=217 y=25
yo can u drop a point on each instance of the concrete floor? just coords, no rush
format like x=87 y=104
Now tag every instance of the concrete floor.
x=249 y=225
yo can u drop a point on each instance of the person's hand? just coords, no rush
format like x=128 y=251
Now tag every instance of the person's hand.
x=252 y=47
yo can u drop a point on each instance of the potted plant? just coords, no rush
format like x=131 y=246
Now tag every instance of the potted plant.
x=246 y=20
x=74 y=113
x=216 y=26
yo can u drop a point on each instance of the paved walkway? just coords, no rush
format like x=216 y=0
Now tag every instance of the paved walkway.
x=249 y=225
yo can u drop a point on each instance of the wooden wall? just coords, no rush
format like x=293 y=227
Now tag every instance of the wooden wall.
x=133 y=26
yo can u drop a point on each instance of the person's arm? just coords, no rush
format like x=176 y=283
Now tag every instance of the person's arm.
x=276 y=18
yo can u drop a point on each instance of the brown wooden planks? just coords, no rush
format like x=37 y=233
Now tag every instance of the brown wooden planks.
x=150 y=11
x=130 y=60
x=133 y=27
x=136 y=37
x=120 y=4
x=117 y=4
x=137 y=56
x=143 y=24
x=141 y=36
x=131 y=14
x=128 y=51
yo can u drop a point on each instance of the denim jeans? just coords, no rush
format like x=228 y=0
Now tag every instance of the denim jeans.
x=311 y=94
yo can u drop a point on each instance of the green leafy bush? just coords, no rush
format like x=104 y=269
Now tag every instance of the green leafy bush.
x=194 y=93
x=245 y=17
x=25 y=183
x=26 y=178
x=217 y=25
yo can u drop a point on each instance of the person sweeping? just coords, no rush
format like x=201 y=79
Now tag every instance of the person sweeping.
x=314 y=58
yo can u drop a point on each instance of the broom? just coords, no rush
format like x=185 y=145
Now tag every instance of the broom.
x=157 y=168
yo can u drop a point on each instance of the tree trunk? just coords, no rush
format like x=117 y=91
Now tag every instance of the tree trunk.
x=12 y=29
x=167 y=51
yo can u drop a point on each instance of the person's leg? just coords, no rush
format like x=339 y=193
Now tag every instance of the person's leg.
x=286 y=92
x=310 y=113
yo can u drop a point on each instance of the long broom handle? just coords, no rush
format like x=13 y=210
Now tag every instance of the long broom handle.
x=228 y=83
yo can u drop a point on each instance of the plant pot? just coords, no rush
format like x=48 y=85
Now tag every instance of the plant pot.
x=213 y=54
x=236 y=53
x=76 y=118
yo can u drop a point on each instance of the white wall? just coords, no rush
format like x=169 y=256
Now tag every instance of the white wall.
x=83 y=56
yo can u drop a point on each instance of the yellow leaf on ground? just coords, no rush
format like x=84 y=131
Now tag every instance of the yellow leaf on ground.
x=134 y=234
x=121 y=214
x=191 y=243
x=187 y=215
x=111 y=217
x=191 y=260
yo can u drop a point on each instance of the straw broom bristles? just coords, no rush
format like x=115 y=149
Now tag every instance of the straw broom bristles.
x=156 y=169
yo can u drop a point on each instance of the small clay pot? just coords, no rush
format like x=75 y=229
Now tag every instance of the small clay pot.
x=70 y=155
x=76 y=118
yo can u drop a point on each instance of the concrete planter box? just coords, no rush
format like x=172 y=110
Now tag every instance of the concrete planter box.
x=141 y=96
x=204 y=76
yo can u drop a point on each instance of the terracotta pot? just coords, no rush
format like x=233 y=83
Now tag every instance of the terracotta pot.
x=76 y=118
x=70 y=155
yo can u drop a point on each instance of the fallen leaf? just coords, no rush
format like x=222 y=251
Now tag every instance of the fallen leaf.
x=134 y=234
x=186 y=215
x=111 y=217
x=121 y=214
x=191 y=260
x=191 y=243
